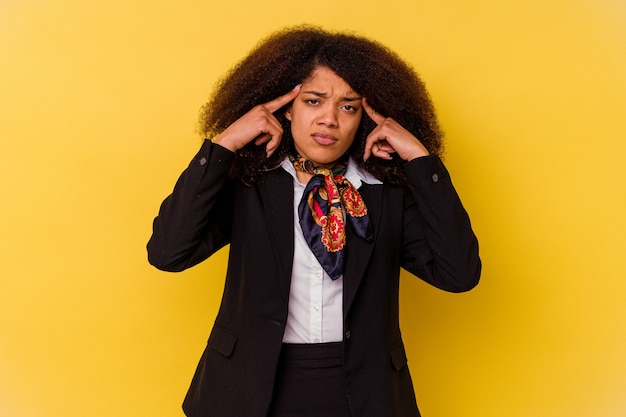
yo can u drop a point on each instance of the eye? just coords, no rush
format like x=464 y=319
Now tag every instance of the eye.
x=312 y=101
x=350 y=108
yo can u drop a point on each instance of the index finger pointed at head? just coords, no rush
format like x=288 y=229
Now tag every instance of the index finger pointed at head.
x=376 y=117
x=281 y=101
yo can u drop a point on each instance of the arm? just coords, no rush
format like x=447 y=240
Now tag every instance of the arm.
x=194 y=221
x=439 y=245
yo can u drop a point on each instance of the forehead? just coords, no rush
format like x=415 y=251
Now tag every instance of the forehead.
x=325 y=79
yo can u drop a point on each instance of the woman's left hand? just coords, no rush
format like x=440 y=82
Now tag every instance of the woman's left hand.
x=390 y=137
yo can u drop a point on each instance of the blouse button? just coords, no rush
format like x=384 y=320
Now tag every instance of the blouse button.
x=435 y=177
x=203 y=161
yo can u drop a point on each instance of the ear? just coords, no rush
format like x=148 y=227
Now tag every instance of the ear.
x=288 y=113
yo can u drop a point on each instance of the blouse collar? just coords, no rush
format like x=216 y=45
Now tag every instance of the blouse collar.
x=354 y=173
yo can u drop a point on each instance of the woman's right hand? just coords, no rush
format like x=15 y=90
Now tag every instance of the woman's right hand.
x=259 y=124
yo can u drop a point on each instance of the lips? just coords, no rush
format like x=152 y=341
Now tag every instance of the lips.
x=324 y=139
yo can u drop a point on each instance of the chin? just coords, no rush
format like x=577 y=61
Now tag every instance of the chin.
x=322 y=156
x=324 y=159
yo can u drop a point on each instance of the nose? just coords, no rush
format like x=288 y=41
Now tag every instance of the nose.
x=328 y=116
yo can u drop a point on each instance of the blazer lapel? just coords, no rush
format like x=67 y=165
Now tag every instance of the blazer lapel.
x=358 y=250
x=276 y=192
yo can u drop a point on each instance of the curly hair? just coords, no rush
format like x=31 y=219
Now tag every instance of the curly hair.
x=289 y=56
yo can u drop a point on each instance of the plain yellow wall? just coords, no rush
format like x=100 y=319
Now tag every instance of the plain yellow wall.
x=98 y=105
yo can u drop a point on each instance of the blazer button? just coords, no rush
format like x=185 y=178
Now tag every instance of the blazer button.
x=435 y=177
x=203 y=161
x=347 y=334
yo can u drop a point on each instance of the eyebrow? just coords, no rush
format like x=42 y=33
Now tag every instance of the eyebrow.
x=324 y=95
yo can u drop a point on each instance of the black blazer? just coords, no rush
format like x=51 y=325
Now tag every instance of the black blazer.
x=423 y=229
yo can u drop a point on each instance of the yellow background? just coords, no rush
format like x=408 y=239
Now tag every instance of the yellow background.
x=98 y=105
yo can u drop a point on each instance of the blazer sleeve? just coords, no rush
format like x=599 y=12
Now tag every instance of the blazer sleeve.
x=439 y=245
x=195 y=220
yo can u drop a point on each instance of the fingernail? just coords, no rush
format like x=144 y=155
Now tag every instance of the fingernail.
x=297 y=86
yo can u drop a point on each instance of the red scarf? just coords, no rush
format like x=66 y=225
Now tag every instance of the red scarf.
x=321 y=213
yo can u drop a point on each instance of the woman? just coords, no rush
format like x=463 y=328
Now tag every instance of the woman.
x=323 y=191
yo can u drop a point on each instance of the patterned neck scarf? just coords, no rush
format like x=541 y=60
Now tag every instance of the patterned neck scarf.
x=321 y=213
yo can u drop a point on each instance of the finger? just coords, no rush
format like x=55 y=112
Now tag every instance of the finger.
x=376 y=117
x=383 y=152
x=270 y=138
x=262 y=138
x=273 y=143
x=269 y=123
x=378 y=153
x=371 y=140
x=380 y=150
x=376 y=144
x=383 y=145
x=261 y=121
x=382 y=155
x=376 y=136
x=281 y=101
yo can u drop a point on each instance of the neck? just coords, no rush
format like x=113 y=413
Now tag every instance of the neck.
x=303 y=177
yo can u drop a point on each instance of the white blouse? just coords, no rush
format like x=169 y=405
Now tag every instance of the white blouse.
x=315 y=301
